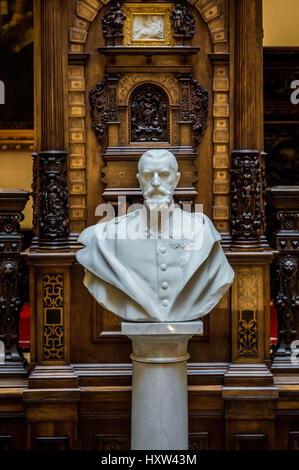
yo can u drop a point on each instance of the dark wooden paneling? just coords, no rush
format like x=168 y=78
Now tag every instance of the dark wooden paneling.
x=6 y=442
x=112 y=441
x=199 y=441
x=250 y=441
x=52 y=443
x=294 y=440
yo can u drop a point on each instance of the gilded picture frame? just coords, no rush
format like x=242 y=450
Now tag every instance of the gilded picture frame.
x=148 y=25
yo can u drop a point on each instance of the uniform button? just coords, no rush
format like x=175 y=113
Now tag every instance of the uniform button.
x=164 y=285
x=163 y=267
x=162 y=249
x=165 y=303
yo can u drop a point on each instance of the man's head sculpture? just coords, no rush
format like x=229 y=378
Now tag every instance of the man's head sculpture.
x=158 y=177
x=160 y=275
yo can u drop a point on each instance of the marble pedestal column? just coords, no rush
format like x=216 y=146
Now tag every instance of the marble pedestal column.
x=159 y=392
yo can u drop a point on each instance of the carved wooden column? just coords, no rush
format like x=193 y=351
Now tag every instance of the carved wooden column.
x=51 y=255
x=286 y=200
x=249 y=391
x=12 y=203
x=51 y=184
x=246 y=162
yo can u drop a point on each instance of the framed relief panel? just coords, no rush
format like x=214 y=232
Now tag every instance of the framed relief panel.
x=148 y=24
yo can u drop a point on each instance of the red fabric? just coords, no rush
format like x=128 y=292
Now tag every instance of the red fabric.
x=24 y=338
x=273 y=324
x=24 y=329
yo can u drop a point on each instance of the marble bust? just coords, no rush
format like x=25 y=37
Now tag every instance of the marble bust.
x=157 y=263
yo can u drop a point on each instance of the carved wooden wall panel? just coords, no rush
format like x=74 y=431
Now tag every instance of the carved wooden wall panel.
x=81 y=398
x=53 y=310
x=247 y=314
x=77 y=157
x=82 y=37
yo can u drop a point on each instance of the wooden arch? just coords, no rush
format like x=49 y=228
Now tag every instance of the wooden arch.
x=212 y=13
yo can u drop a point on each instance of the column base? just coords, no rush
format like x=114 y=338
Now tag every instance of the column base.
x=12 y=370
x=159 y=390
x=285 y=365
x=53 y=377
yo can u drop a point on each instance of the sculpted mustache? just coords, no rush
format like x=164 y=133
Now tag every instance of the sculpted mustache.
x=157 y=192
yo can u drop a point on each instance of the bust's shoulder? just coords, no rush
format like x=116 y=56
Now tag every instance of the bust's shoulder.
x=202 y=222
x=198 y=216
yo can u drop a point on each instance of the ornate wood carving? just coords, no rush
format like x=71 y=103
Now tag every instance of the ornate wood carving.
x=185 y=97
x=34 y=187
x=112 y=80
x=149 y=107
x=149 y=114
x=247 y=200
x=247 y=315
x=183 y=22
x=199 y=111
x=53 y=198
x=112 y=23
x=99 y=110
x=11 y=205
x=211 y=12
x=247 y=211
x=287 y=302
x=130 y=80
x=53 y=309
x=287 y=269
x=247 y=330
x=194 y=106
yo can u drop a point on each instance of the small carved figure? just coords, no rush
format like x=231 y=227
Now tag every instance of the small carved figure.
x=149 y=114
x=246 y=194
x=182 y=20
x=112 y=21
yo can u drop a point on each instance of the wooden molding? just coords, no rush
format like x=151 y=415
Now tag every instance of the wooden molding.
x=16 y=139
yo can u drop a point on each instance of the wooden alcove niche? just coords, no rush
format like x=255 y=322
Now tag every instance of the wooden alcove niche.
x=112 y=166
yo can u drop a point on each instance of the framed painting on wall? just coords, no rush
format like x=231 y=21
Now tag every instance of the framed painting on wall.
x=16 y=74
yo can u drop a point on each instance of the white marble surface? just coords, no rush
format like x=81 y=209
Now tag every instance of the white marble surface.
x=148 y=27
x=156 y=269
x=159 y=392
x=174 y=328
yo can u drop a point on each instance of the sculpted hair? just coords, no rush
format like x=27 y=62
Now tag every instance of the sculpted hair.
x=158 y=154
